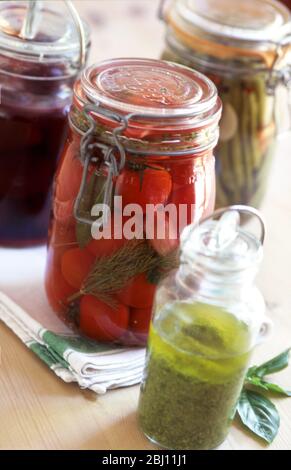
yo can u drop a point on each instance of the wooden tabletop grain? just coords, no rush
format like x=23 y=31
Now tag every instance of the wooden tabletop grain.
x=38 y=410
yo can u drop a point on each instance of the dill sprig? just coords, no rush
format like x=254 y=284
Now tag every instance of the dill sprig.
x=110 y=274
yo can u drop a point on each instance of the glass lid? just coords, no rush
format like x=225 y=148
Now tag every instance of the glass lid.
x=149 y=88
x=250 y=20
x=54 y=32
x=223 y=244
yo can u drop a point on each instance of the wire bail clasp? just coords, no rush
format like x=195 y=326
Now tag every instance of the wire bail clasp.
x=33 y=15
x=280 y=77
x=114 y=166
x=276 y=75
x=161 y=13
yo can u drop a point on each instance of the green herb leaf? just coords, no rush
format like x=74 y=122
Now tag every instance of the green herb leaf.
x=93 y=195
x=274 y=365
x=164 y=265
x=259 y=414
x=268 y=386
x=153 y=276
x=83 y=234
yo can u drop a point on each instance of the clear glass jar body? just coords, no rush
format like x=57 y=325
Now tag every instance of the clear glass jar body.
x=248 y=129
x=201 y=338
x=102 y=272
x=144 y=180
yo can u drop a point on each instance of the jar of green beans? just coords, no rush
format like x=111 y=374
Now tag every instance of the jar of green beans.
x=244 y=47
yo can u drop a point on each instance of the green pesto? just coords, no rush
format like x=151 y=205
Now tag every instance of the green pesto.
x=197 y=360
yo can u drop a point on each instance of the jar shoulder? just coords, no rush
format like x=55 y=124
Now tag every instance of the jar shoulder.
x=244 y=302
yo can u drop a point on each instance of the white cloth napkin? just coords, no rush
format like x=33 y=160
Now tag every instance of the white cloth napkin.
x=98 y=367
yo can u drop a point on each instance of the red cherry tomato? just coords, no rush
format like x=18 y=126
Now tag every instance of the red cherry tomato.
x=104 y=246
x=63 y=210
x=194 y=186
x=76 y=264
x=184 y=191
x=69 y=176
x=133 y=226
x=138 y=292
x=153 y=186
x=62 y=234
x=101 y=322
x=54 y=256
x=57 y=289
x=164 y=239
x=139 y=322
x=185 y=196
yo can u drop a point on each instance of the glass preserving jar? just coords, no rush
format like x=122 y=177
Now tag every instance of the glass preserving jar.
x=140 y=146
x=244 y=47
x=208 y=316
x=38 y=67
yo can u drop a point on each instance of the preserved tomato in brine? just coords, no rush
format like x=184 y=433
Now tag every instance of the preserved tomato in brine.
x=142 y=150
x=154 y=188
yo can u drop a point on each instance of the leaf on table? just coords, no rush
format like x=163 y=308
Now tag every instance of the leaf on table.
x=274 y=365
x=267 y=386
x=259 y=414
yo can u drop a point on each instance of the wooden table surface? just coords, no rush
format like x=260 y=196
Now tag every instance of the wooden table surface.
x=38 y=410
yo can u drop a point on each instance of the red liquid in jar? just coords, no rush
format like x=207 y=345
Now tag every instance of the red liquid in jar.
x=33 y=127
x=286 y=2
x=29 y=149
x=37 y=73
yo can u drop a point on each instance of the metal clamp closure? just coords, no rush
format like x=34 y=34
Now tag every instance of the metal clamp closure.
x=161 y=10
x=87 y=147
x=81 y=31
x=115 y=164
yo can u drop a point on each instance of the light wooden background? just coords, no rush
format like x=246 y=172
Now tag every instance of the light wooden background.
x=39 y=411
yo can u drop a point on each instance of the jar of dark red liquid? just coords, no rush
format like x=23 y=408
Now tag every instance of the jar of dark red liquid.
x=40 y=58
x=137 y=167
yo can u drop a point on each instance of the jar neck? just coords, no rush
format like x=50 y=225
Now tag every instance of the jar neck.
x=214 y=285
x=241 y=45
x=147 y=140
x=239 y=64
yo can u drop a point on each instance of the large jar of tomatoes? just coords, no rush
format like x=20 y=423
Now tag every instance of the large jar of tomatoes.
x=137 y=167
x=244 y=47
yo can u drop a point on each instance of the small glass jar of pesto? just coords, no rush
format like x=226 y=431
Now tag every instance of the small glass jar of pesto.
x=208 y=316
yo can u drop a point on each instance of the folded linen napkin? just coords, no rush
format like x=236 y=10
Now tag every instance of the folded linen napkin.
x=98 y=367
